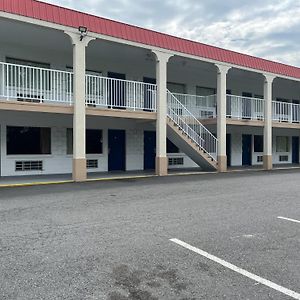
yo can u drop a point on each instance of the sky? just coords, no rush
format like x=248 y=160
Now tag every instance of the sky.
x=268 y=29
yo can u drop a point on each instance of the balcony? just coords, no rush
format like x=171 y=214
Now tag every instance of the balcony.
x=202 y=107
x=245 y=108
x=47 y=86
x=37 y=85
x=285 y=112
x=120 y=94
x=240 y=108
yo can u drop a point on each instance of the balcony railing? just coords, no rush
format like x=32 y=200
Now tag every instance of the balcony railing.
x=30 y=84
x=120 y=94
x=286 y=112
x=202 y=107
x=41 y=85
x=238 y=107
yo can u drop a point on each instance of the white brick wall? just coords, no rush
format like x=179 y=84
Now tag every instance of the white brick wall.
x=236 y=145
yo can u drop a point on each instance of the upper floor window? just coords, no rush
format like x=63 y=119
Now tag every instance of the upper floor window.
x=19 y=74
x=93 y=84
x=258 y=96
x=29 y=63
x=205 y=91
x=247 y=94
x=177 y=88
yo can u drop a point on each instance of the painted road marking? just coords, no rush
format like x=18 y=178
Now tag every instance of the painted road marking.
x=288 y=219
x=236 y=269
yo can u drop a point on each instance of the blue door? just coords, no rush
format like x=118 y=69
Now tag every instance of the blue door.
x=228 y=149
x=247 y=150
x=149 y=150
x=295 y=150
x=116 y=150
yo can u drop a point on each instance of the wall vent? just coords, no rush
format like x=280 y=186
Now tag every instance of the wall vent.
x=33 y=165
x=92 y=164
x=283 y=158
x=176 y=161
x=260 y=158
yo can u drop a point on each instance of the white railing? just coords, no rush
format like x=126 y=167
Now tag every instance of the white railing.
x=31 y=84
x=285 y=112
x=239 y=107
x=122 y=94
x=191 y=126
x=40 y=85
x=202 y=107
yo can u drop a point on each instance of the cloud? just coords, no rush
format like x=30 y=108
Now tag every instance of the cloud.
x=269 y=29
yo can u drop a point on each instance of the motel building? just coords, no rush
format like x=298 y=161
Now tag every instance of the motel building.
x=81 y=94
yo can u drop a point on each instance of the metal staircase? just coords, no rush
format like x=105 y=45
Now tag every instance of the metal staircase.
x=190 y=136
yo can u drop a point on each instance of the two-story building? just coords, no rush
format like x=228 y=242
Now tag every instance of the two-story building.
x=80 y=93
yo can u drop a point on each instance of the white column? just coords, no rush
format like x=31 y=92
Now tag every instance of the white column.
x=221 y=116
x=268 y=84
x=79 y=117
x=161 y=166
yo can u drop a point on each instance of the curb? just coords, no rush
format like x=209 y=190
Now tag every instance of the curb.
x=28 y=184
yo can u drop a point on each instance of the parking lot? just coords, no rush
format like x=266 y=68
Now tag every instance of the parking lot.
x=210 y=236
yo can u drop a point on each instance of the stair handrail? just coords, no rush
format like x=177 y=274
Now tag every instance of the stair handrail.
x=191 y=126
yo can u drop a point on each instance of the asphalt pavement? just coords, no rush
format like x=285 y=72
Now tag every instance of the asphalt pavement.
x=111 y=240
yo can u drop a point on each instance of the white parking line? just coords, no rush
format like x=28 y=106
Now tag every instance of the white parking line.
x=243 y=272
x=288 y=219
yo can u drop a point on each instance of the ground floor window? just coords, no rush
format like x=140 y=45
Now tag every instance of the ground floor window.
x=258 y=143
x=282 y=144
x=94 y=141
x=28 y=140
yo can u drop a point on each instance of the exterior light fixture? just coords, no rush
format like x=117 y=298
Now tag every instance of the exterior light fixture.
x=83 y=32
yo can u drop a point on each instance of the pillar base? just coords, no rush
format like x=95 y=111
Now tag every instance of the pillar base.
x=222 y=163
x=268 y=162
x=161 y=166
x=79 y=170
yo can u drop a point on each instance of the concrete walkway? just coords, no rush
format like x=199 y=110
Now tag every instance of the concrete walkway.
x=67 y=178
x=103 y=176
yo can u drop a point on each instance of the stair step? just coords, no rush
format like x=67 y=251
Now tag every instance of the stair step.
x=187 y=138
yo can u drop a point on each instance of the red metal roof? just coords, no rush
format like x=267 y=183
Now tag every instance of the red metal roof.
x=64 y=16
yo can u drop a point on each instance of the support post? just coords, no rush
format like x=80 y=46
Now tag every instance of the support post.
x=268 y=84
x=161 y=165
x=79 y=118
x=221 y=116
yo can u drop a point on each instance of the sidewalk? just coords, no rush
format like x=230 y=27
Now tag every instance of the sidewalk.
x=103 y=176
